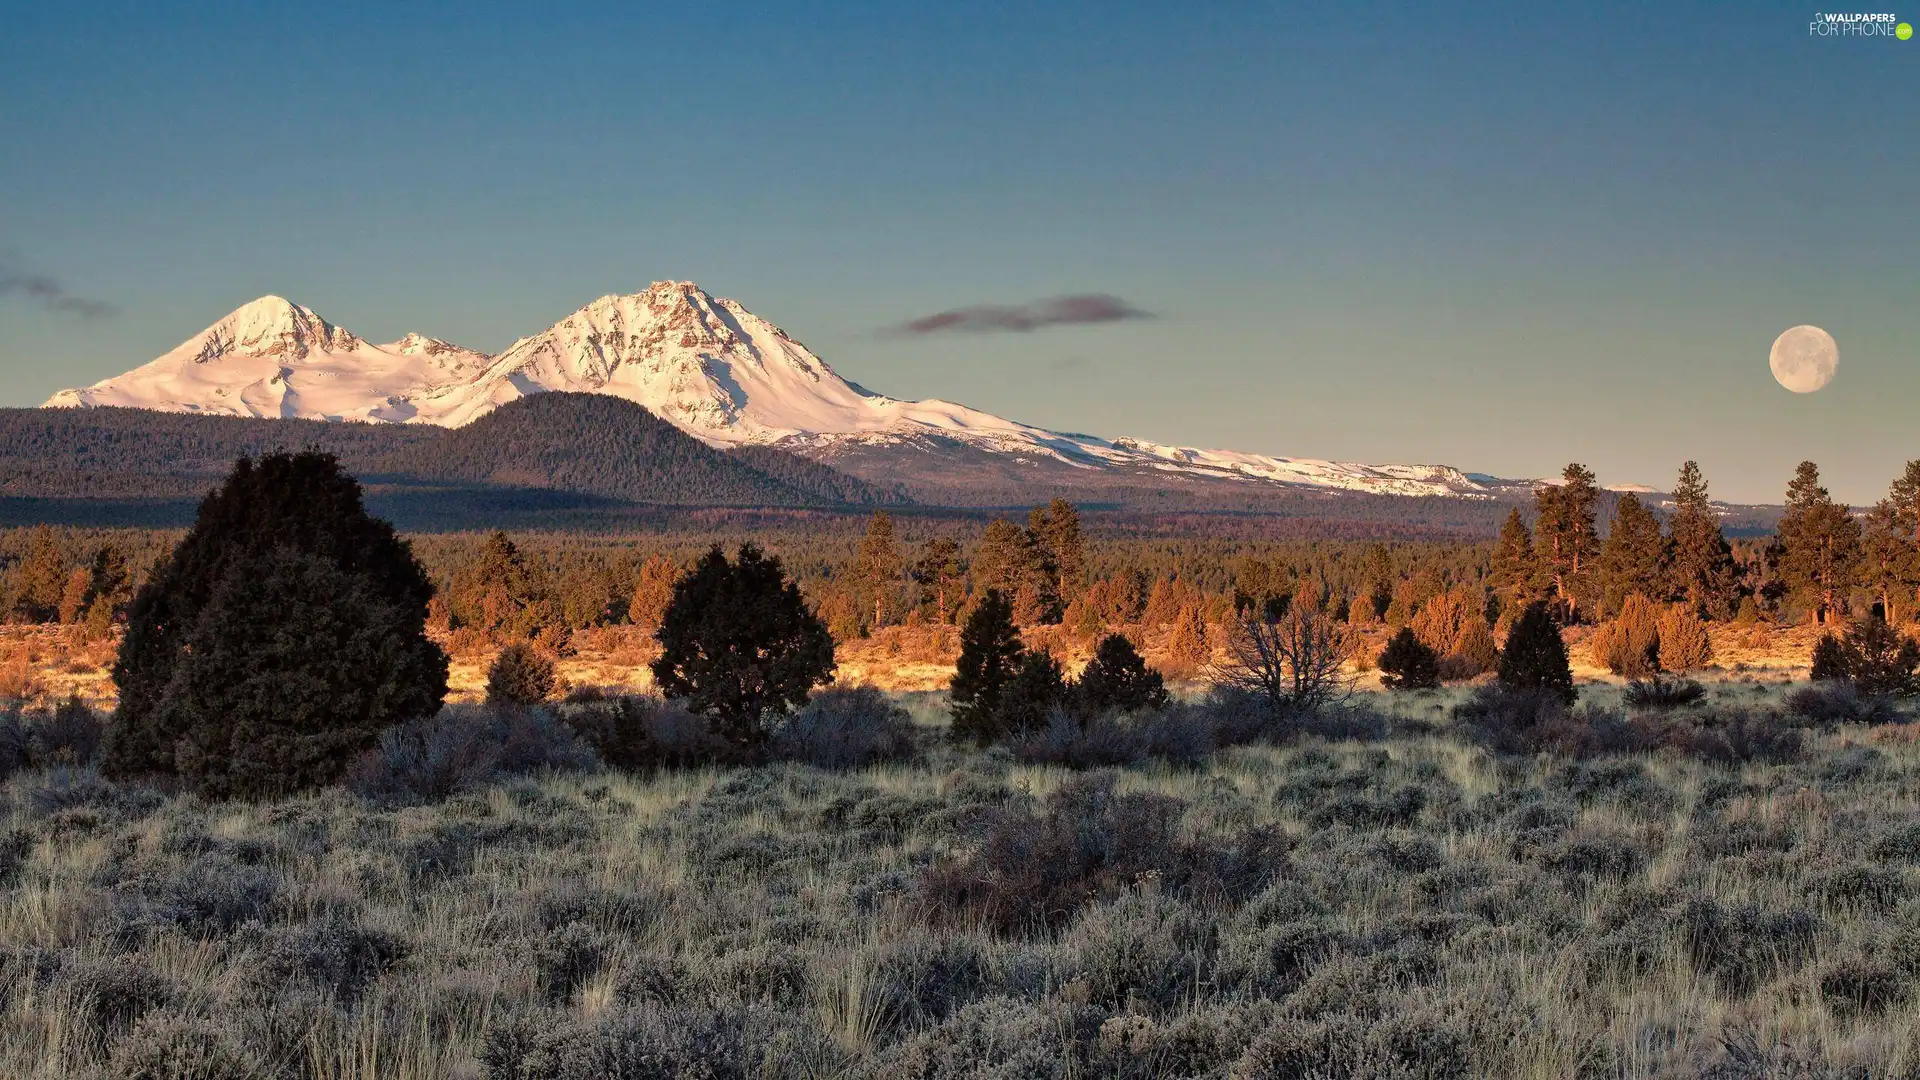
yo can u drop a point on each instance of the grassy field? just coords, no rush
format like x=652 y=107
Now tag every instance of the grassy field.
x=1406 y=906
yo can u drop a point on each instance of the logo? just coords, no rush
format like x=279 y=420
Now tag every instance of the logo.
x=1858 y=24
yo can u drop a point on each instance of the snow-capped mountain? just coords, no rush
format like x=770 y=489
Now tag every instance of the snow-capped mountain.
x=707 y=365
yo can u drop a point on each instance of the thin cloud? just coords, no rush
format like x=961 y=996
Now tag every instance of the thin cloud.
x=1058 y=311
x=50 y=294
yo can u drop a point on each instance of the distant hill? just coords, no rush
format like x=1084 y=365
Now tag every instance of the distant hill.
x=593 y=444
x=607 y=449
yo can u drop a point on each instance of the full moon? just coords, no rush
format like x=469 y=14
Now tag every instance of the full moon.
x=1804 y=359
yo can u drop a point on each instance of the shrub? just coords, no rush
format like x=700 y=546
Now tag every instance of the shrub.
x=461 y=748
x=1832 y=702
x=845 y=729
x=739 y=643
x=69 y=734
x=1880 y=660
x=1474 y=651
x=1659 y=693
x=316 y=638
x=1685 y=644
x=638 y=733
x=519 y=676
x=1118 y=679
x=1535 y=657
x=1408 y=664
x=1504 y=718
x=13 y=742
x=1630 y=644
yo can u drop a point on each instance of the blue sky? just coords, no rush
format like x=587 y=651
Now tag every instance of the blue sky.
x=1502 y=239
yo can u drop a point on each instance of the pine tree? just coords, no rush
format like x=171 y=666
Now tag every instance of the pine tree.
x=109 y=585
x=1829 y=660
x=1118 y=679
x=1565 y=541
x=1376 y=573
x=1700 y=569
x=1009 y=560
x=1634 y=557
x=739 y=644
x=1027 y=701
x=40 y=580
x=990 y=649
x=877 y=568
x=942 y=581
x=73 y=598
x=1056 y=534
x=1516 y=571
x=1535 y=657
x=1880 y=659
x=1408 y=664
x=507 y=596
x=1889 y=563
x=1820 y=544
x=284 y=631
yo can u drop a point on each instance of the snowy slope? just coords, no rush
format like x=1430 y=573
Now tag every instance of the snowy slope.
x=707 y=365
x=273 y=358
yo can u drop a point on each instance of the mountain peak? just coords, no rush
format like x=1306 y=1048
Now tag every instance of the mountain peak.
x=272 y=326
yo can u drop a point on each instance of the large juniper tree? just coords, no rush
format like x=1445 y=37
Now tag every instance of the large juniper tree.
x=990 y=651
x=283 y=632
x=740 y=644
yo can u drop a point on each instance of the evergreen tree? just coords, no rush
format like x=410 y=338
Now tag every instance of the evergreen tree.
x=1535 y=658
x=281 y=635
x=1188 y=646
x=1685 y=644
x=1408 y=664
x=519 y=675
x=1889 y=562
x=1820 y=544
x=1515 y=573
x=1829 y=660
x=739 y=643
x=508 y=597
x=1634 y=557
x=652 y=591
x=40 y=580
x=73 y=597
x=1565 y=541
x=1880 y=660
x=1011 y=561
x=1055 y=529
x=877 y=568
x=1118 y=679
x=942 y=580
x=1038 y=686
x=1701 y=568
x=1630 y=644
x=109 y=584
x=990 y=649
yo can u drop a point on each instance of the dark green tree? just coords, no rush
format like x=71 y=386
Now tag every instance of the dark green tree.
x=519 y=675
x=282 y=505
x=1038 y=686
x=40 y=579
x=508 y=597
x=1634 y=557
x=1700 y=567
x=1515 y=576
x=109 y=582
x=1407 y=664
x=1820 y=544
x=1011 y=560
x=1880 y=660
x=942 y=580
x=876 y=569
x=1829 y=660
x=1535 y=657
x=990 y=650
x=294 y=666
x=740 y=645
x=1055 y=529
x=1118 y=679
x=1566 y=542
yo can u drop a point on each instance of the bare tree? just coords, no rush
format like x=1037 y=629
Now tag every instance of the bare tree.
x=1296 y=659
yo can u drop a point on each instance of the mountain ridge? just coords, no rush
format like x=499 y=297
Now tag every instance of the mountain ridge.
x=706 y=365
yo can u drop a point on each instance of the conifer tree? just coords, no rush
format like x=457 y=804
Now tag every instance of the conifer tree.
x=942 y=581
x=507 y=596
x=1038 y=686
x=652 y=591
x=1408 y=664
x=1565 y=540
x=1118 y=679
x=1889 y=562
x=990 y=649
x=1009 y=561
x=1629 y=645
x=1634 y=557
x=1829 y=660
x=739 y=644
x=1820 y=545
x=1515 y=573
x=73 y=597
x=1055 y=529
x=1701 y=568
x=877 y=568
x=519 y=675
x=281 y=635
x=109 y=584
x=40 y=580
x=1535 y=657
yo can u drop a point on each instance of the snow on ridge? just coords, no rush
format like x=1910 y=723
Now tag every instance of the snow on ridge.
x=707 y=365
